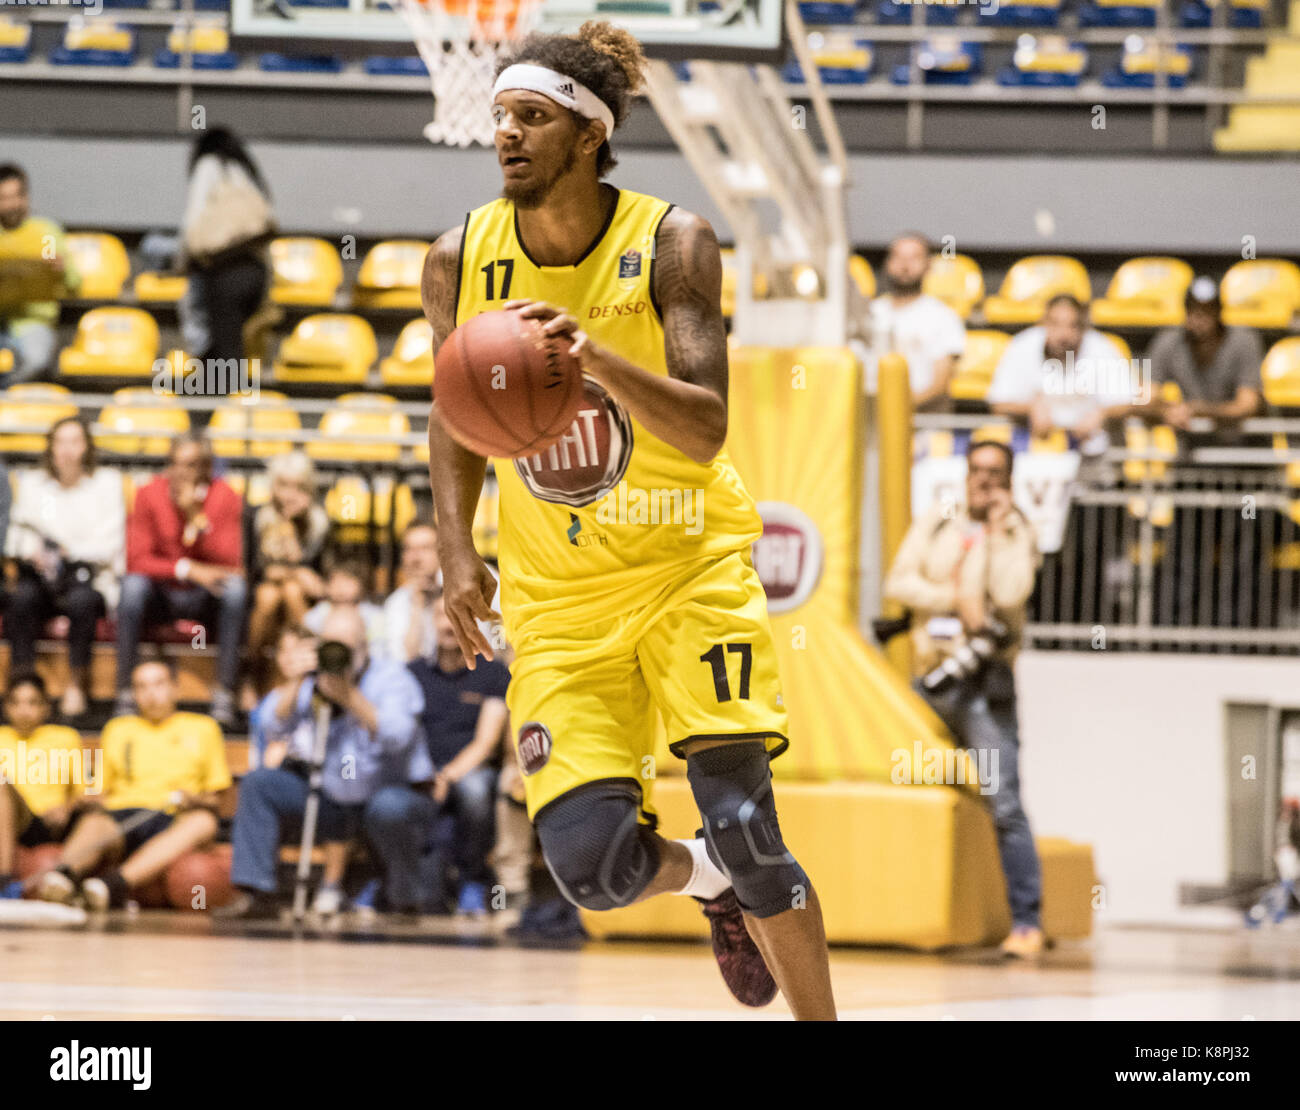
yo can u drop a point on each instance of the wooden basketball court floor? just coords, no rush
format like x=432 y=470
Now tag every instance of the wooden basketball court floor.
x=172 y=966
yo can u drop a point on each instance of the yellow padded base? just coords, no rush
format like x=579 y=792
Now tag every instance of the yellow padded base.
x=913 y=866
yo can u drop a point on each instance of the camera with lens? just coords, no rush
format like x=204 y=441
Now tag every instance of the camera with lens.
x=971 y=657
x=333 y=658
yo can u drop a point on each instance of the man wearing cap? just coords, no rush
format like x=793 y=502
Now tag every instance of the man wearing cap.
x=1215 y=367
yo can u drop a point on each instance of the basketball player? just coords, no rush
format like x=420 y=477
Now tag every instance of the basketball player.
x=613 y=617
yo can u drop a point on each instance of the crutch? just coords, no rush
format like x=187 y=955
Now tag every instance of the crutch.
x=324 y=710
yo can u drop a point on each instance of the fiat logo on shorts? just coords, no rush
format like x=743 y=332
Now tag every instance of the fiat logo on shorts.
x=788 y=556
x=534 y=747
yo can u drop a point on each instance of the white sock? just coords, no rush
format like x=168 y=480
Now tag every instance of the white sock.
x=706 y=880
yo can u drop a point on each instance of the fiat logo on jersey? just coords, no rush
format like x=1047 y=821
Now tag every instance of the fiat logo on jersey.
x=589 y=460
x=788 y=556
x=534 y=747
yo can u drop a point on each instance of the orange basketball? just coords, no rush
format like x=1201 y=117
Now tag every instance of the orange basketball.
x=502 y=389
x=201 y=880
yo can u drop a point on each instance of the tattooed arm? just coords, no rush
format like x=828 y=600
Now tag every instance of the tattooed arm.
x=687 y=409
x=455 y=474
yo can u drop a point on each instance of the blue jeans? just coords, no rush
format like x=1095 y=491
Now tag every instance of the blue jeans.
x=32 y=343
x=272 y=801
x=144 y=600
x=472 y=801
x=981 y=715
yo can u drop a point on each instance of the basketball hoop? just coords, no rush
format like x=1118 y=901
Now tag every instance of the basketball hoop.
x=460 y=42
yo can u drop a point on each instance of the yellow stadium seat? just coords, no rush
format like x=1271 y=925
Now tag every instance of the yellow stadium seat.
x=353 y=507
x=328 y=347
x=1281 y=373
x=862 y=275
x=999 y=433
x=1056 y=442
x=102 y=262
x=112 y=342
x=304 y=271
x=361 y=416
x=1031 y=283
x=729 y=282
x=1145 y=292
x=140 y=422
x=6 y=360
x=1121 y=344
x=27 y=412
x=1261 y=293
x=411 y=362
x=1160 y=440
x=160 y=288
x=957 y=281
x=974 y=372
x=265 y=411
x=390 y=275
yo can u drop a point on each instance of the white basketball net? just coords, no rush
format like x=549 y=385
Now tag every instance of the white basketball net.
x=460 y=51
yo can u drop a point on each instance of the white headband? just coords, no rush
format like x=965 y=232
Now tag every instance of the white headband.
x=559 y=87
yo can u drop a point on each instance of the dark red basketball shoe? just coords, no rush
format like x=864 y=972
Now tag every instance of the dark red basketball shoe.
x=739 y=960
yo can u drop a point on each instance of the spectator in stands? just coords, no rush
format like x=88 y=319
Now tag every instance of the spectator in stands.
x=1216 y=368
x=953 y=571
x=409 y=627
x=164 y=772
x=184 y=560
x=374 y=752
x=33 y=260
x=921 y=328
x=225 y=236
x=38 y=808
x=345 y=587
x=68 y=535
x=1063 y=375
x=464 y=719
x=285 y=544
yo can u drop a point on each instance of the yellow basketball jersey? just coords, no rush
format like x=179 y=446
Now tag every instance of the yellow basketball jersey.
x=606 y=520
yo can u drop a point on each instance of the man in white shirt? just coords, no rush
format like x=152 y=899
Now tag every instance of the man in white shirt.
x=921 y=328
x=409 y=627
x=1061 y=374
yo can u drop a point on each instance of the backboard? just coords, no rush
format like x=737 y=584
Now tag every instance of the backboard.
x=735 y=30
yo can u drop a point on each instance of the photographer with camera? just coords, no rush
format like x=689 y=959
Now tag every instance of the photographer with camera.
x=966 y=572
x=374 y=751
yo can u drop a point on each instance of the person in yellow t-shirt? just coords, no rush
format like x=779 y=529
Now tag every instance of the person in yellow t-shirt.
x=34 y=263
x=163 y=774
x=43 y=771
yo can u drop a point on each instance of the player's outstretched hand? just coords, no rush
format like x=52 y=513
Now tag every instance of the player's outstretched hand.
x=467 y=591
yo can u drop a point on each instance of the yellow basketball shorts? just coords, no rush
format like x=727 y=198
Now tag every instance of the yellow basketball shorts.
x=583 y=706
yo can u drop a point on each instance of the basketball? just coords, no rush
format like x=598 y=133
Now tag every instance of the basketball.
x=503 y=389
x=201 y=880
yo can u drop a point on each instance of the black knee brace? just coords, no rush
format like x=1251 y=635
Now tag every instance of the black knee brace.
x=599 y=854
x=732 y=785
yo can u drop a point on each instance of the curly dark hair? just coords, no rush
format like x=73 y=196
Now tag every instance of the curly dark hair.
x=607 y=59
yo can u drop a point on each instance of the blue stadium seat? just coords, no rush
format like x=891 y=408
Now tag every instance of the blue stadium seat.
x=841 y=60
x=15 y=40
x=1245 y=15
x=894 y=13
x=1137 y=67
x=95 y=43
x=1045 y=61
x=1020 y=13
x=1130 y=13
x=396 y=67
x=827 y=11
x=944 y=62
x=300 y=63
x=209 y=48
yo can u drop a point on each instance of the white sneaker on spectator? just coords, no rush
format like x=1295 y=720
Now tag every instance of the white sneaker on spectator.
x=55 y=886
x=328 y=901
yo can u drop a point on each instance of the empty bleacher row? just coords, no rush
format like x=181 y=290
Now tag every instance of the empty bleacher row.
x=120 y=338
